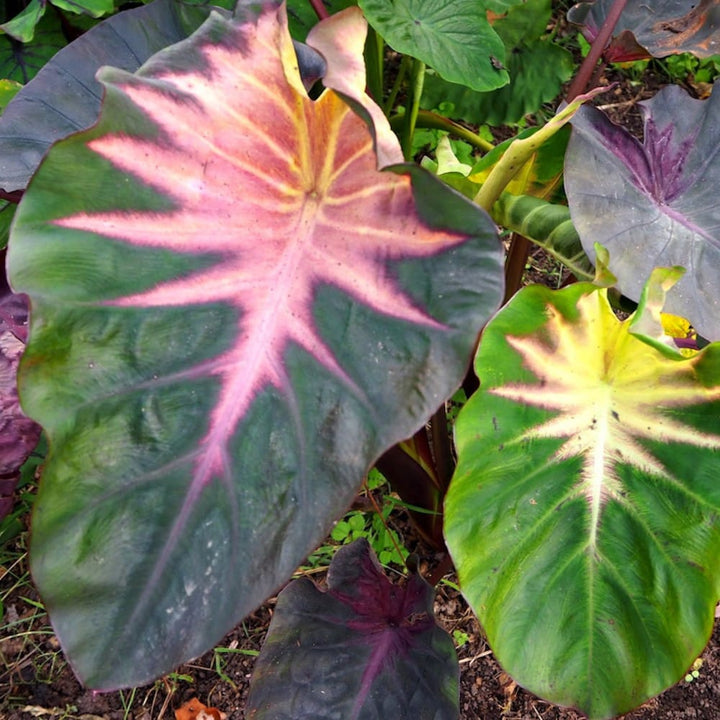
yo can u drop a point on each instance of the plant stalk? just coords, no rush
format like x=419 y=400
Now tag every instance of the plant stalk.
x=427 y=119
x=582 y=79
x=374 y=64
x=412 y=107
x=320 y=9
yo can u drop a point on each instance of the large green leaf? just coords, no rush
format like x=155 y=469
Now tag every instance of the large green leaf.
x=654 y=202
x=234 y=312
x=584 y=516
x=455 y=38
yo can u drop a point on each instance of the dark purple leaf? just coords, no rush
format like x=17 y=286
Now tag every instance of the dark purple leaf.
x=658 y=28
x=364 y=650
x=18 y=434
x=653 y=203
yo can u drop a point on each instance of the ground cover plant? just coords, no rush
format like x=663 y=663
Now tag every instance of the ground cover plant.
x=244 y=294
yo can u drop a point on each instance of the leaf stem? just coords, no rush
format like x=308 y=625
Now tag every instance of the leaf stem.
x=427 y=119
x=374 y=61
x=320 y=9
x=415 y=88
x=521 y=150
x=397 y=84
x=582 y=79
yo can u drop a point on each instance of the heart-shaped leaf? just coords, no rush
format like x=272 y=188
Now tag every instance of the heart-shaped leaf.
x=455 y=38
x=65 y=97
x=583 y=516
x=657 y=29
x=233 y=314
x=363 y=650
x=653 y=203
x=537 y=72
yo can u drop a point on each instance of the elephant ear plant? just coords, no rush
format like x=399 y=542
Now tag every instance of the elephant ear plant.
x=234 y=312
x=242 y=295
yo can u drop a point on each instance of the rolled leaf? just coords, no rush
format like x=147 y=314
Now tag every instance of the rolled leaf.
x=654 y=202
x=365 y=649
x=548 y=226
x=583 y=516
x=227 y=331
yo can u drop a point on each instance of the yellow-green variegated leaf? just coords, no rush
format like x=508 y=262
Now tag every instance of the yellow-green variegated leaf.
x=584 y=515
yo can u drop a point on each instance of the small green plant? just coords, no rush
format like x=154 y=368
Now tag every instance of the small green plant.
x=460 y=638
x=694 y=672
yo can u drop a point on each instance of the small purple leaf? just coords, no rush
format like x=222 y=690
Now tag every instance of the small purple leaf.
x=18 y=434
x=364 y=650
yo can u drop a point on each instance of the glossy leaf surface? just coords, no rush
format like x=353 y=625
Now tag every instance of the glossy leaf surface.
x=455 y=38
x=226 y=333
x=365 y=649
x=654 y=202
x=657 y=29
x=583 y=516
x=65 y=97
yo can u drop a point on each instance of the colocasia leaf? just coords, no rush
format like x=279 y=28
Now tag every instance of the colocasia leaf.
x=583 y=515
x=653 y=203
x=454 y=38
x=363 y=650
x=234 y=314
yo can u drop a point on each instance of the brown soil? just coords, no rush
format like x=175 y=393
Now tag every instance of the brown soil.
x=35 y=682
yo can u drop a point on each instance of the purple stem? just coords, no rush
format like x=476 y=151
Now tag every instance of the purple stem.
x=582 y=79
x=320 y=9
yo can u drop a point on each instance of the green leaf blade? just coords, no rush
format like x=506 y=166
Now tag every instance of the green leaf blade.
x=455 y=39
x=582 y=517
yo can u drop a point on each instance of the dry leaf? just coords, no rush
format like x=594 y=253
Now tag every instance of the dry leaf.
x=195 y=710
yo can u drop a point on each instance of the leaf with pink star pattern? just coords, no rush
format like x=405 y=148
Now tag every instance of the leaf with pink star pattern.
x=234 y=313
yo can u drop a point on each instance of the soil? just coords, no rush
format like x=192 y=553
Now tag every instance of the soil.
x=35 y=682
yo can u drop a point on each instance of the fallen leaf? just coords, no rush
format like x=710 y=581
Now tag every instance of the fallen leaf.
x=195 y=710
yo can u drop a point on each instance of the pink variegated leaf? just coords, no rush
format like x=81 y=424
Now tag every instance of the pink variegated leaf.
x=234 y=314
